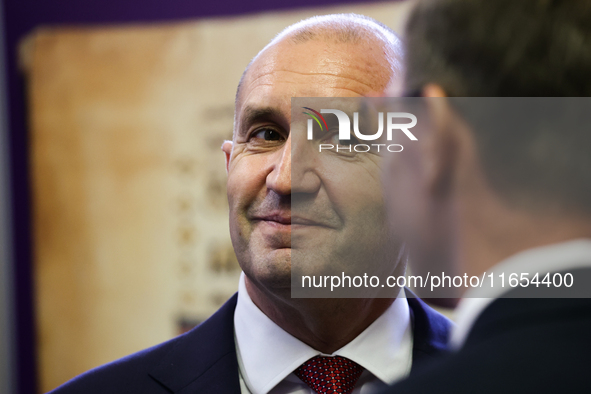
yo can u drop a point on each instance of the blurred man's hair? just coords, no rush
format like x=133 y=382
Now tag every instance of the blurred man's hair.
x=518 y=48
x=499 y=48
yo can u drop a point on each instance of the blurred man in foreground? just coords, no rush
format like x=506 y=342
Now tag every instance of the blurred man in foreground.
x=489 y=197
x=262 y=340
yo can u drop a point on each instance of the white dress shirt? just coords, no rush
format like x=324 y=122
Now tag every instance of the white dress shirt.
x=268 y=355
x=552 y=258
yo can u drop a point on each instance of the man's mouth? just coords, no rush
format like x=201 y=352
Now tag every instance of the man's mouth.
x=289 y=220
x=284 y=219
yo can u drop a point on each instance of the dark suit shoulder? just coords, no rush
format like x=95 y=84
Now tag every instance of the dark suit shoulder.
x=129 y=374
x=166 y=367
x=517 y=346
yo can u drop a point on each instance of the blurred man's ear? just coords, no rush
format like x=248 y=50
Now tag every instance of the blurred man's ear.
x=433 y=90
x=443 y=144
x=227 y=149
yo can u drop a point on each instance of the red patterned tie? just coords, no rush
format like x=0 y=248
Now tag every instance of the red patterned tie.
x=329 y=375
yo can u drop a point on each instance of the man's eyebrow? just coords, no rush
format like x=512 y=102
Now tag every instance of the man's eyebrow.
x=253 y=114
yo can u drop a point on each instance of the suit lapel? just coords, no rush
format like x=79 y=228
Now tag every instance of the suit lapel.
x=203 y=360
x=430 y=329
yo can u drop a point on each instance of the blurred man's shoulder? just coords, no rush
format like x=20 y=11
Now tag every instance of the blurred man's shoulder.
x=516 y=346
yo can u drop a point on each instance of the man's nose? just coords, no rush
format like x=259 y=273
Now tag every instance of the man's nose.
x=279 y=179
x=302 y=177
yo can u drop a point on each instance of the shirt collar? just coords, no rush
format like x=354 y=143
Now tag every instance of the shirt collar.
x=544 y=259
x=267 y=354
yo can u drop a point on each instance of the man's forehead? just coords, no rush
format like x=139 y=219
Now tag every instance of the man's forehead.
x=311 y=69
x=317 y=69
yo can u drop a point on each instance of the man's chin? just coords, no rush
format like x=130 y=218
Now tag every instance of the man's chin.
x=279 y=256
x=272 y=269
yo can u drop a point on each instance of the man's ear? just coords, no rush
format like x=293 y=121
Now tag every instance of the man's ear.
x=227 y=149
x=433 y=90
x=443 y=142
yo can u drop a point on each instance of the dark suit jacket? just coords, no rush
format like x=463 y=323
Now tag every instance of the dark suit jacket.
x=516 y=346
x=204 y=359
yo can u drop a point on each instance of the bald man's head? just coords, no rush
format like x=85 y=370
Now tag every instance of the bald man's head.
x=332 y=56
x=357 y=31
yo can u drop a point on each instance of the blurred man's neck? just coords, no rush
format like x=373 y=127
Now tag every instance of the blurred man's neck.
x=496 y=232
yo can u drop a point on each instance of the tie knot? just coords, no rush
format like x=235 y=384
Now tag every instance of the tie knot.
x=330 y=374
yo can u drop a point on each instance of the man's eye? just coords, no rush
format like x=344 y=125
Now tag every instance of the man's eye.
x=268 y=135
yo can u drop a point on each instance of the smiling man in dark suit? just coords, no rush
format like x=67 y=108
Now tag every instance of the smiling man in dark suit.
x=500 y=188
x=263 y=340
